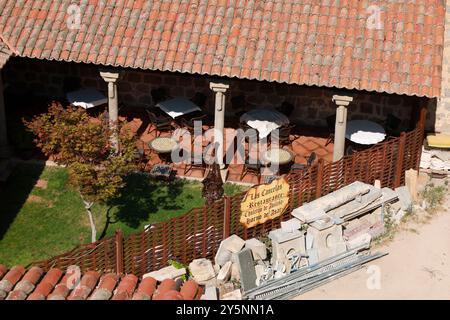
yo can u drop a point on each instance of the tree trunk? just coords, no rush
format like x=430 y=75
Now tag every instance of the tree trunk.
x=88 y=207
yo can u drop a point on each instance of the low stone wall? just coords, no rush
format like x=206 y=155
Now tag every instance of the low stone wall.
x=312 y=104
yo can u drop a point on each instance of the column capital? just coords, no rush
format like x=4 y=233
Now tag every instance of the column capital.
x=219 y=86
x=342 y=100
x=110 y=76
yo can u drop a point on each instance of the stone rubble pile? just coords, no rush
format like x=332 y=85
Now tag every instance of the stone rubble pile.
x=336 y=224
x=435 y=159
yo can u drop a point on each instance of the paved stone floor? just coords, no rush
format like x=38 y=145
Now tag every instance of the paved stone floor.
x=304 y=141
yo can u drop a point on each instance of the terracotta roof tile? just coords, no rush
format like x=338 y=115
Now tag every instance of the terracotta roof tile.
x=36 y=284
x=189 y=290
x=292 y=41
x=9 y=280
x=126 y=288
x=3 y=270
x=46 y=285
x=146 y=289
x=5 y=53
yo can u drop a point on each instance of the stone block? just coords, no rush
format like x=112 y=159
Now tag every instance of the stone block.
x=309 y=240
x=411 y=178
x=233 y=295
x=279 y=236
x=225 y=272
x=235 y=272
x=313 y=257
x=362 y=239
x=260 y=270
x=328 y=242
x=258 y=248
x=404 y=197
x=169 y=272
x=222 y=255
x=377 y=184
x=291 y=225
x=285 y=244
x=247 y=269
x=225 y=288
x=233 y=243
x=202 y=270
x=227 y=247
x=210 y=293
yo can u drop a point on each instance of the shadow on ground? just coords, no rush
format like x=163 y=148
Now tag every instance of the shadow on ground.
x=142 y=197
x=15 y=192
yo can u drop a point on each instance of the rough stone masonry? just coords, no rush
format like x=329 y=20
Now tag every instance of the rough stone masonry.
x=442 y=123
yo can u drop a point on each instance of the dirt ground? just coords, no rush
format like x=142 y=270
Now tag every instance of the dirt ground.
x=417 y=266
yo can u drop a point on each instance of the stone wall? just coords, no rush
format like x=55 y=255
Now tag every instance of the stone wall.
x=442 y=123
x=312 y=104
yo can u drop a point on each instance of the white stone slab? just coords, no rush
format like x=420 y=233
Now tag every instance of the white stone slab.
x=169 y=272
x=225 y=272
x=202 y=270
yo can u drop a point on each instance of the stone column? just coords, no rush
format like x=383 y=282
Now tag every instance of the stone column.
x=341 y=124
x=4 y=148
x=113 y=103
x=219 y=89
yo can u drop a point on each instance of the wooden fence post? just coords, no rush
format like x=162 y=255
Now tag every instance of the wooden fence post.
x=226 y=216
x=421 y=125
x=319 y=180
x=119 y=251
x=400 y=159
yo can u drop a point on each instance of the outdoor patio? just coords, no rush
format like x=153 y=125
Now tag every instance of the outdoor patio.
x=304 y=141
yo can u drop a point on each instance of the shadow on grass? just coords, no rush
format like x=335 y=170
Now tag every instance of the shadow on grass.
x=141 y=198
x=15 y=192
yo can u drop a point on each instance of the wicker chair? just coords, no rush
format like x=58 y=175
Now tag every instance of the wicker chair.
x=283 y=135
x=331 y=122
x=195 y=163
x=158 y=123
x=252 y=166
x=392 y=125
x=309 y=162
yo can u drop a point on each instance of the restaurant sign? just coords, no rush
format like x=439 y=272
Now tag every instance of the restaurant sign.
x=264 y=202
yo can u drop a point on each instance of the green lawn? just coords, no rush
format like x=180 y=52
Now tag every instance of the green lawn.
x=38 y=223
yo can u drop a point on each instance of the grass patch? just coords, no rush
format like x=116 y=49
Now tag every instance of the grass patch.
x=37 y=223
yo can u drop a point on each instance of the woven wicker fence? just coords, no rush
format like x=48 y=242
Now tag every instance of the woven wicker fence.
x=199 y=232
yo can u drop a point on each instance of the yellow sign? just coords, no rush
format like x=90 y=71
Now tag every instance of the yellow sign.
x=264 y=202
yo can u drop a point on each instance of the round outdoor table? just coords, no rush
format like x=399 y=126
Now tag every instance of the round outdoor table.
x=264 y=120
x=163 y=146
x=281 y=157
x=364 y=132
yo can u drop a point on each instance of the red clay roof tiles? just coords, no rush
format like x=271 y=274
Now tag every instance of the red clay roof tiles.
x=324 y=43
x=5 y=53
x=35 y=284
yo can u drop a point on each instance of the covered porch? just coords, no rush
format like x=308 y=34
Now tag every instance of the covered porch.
x=130 y=95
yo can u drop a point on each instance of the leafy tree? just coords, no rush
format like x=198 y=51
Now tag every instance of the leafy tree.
x=83 y=145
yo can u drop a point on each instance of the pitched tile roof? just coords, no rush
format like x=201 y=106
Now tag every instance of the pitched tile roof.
x=35 y=284
x=321 y=42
